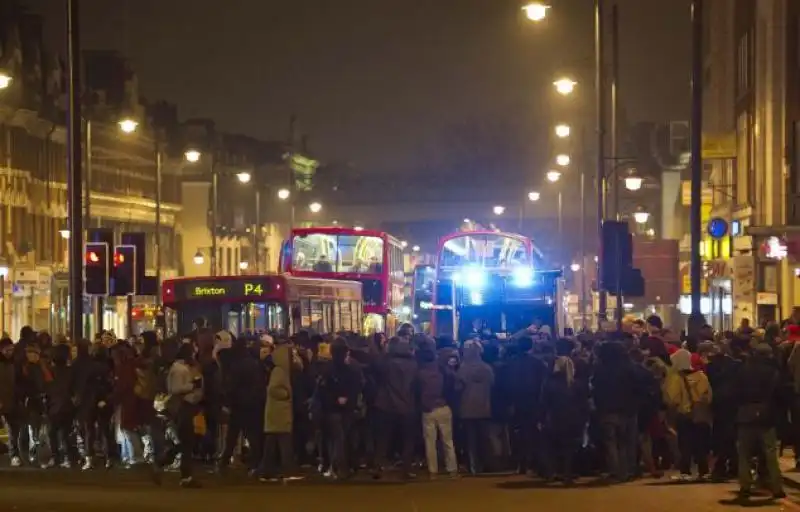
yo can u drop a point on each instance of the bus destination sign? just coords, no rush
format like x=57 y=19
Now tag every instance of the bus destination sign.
x=225 y=289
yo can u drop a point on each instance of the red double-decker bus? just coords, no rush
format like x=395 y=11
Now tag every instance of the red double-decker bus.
x=373 y=258
x=492 y=281
x=243 y=304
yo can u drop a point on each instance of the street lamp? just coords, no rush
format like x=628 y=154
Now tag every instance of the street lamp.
x=192 y=156
x=64 y=232
x=128 y=125
x=563 y=160
x=315 y=207
x=553 y=176
x=565 y=86
x=243 y=265
x=198 y=258
x=534 y=196
x=358 y=228
x=536 y=11
x=283 y=194
x=563 y=131
x=499 y=210
x=633 y=183
x=641 y=217
x=403 y=244
x=575 y=267
x=5 y=80
x=416 y=248
x=466 y=220
x=244 y=177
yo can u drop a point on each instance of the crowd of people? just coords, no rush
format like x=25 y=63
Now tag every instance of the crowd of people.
x=619 y=405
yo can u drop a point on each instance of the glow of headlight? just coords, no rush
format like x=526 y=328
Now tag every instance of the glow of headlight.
x=474 y=277
x=476 y=298
x=523 y=277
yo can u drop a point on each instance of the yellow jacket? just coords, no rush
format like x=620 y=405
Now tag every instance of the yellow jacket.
x=689 y=394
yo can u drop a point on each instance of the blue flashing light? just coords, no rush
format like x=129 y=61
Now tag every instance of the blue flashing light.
x=476 y=298
x=522 y=277
x=474 y=278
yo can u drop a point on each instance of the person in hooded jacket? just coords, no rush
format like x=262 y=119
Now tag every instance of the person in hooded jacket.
x=279 y=419
x=756 y=394
x=433 y=380
x=95 y=410
x=395 y=403
x=32 y=378
x=566 y=411
x=474 y=383
x=527 y=373
x=722 y=371
x=9 y=400
x=689 y=395
x=615 y=389
x=244 y=395
x=60 y=392
x=339 y=389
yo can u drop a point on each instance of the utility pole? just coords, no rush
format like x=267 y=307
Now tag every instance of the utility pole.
x=601 y=157
x=74 y=181
x=696 y=318
x=615 y=152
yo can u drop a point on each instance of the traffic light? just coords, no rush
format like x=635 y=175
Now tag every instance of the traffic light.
x=138 y=241
x=96 y=268
x=125 y=277
x=618 y=274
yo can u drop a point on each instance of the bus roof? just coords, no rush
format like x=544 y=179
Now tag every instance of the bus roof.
x=336 y=230
x=488 y=232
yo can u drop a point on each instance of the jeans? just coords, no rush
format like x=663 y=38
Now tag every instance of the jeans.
x=184 y=425
x=61 y=445
x=694 y=440
x=439 y=421
x=278 y=446
x=753 y=440
x=387 y=425
x=620 y=437
x=97 y=423
x=477 y=432
x=13 y=426
x=724 y=440
x=339 y=436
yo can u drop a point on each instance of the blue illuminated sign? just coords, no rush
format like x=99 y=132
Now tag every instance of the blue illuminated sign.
x=717 y=228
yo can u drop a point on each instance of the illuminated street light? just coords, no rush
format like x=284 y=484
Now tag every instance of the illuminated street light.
x=5 y=80
x=563 y=160
x=416 y=248
x=358 y=228
x=192 y=156
x=64 y=233
x=499 y=210
x=466 y=220
x=641 y=217
x=244 y=177
x=565 y=86
x=536 y=11
x=651 y=232
x=553 y=176
x=335 y=222
x=575 y=267
x=283 y=194
x=563 y=131
x=403 y=244
x=633 y=183
x=534 y=196
x=315 y=207
x=244 y=265
x=128 y=125
x=198 y=258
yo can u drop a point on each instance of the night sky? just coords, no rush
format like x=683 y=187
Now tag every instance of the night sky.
x=376 y=82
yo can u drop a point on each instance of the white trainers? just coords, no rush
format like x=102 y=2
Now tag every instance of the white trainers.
x=66 y=465
x=16 y=462
x=87 y=465
x=49 y=464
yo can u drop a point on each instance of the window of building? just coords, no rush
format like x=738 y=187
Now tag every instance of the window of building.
x=744 y=161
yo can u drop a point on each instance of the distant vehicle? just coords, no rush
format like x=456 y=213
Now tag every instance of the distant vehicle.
x=373 y=258
x=488 y=282
x=244 y=304
x=423 y=282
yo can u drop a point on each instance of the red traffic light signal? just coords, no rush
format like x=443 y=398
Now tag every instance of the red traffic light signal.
x=97 y=268
x=124 y=274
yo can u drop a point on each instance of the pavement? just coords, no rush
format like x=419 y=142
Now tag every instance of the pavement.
x=31 y=490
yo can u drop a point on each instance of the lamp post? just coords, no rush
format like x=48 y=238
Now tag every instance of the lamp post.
x=536 y=11
x=74 y=181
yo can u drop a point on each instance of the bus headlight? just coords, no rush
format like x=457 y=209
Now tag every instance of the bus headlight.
x=523 y=277
x=474 y=278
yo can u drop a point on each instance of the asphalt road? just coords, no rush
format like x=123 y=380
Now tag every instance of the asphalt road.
x=129 y=491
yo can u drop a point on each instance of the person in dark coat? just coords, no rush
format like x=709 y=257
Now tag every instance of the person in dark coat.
x=395 y=403
x=474 y=383
x=33 y=376
x=722 y=371
x=9 y=400
x=338 y=390
x=615 y=388
x=244 y=395
x=756 y=392
x=60 y=392
x=95 y=407
x=527 y=373
x=566 y=411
